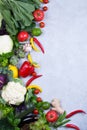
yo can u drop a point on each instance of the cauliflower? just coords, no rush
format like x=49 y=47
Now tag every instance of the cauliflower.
x=13 y=93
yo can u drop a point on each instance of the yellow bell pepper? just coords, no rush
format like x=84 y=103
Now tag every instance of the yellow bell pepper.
x=14 y=69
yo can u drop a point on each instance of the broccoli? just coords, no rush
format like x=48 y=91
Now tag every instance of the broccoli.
x=14 y=60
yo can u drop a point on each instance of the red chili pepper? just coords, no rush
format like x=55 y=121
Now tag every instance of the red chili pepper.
x=31 y=79
x=39 y=44
x=72 y=126
x=74 y=112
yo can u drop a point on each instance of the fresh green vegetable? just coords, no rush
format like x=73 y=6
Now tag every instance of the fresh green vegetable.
x=20 y=17
x=6 y=44
x=10 y=123
x=1 y=19
x=41 y=124
x=20 y=53
x=46 y=105
x=4 y=59
x=4 y=109
x=36 y=32
x=14 y=60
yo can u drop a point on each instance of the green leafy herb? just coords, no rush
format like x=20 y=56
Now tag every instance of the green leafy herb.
x=41 y=124
x=4 y=58
x=4 y=110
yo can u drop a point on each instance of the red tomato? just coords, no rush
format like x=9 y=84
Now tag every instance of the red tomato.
x=42 y=24
x=22 y=36
x=51 y=116
x=39 y=99
x=45 y=1
x=38 y=15
x=35 y=111
x=36 y=91
x=45 y=8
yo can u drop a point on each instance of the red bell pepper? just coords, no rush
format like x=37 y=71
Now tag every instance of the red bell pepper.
x=26 y=69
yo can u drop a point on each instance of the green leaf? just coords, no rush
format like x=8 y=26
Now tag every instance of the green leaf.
x=62 y=123
x=29 y=95
x=29 y=28
x=16 y=122
x=62 y=117
x=18 y=80
x=2 y=101
x=16 y=128
x=5 y=125
x=4 y=110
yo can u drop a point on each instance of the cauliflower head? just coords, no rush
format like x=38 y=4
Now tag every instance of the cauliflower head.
x=13 y=93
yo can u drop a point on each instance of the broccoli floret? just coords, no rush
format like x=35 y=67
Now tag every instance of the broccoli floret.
x=21 y=54
x=4 y=62
x=14 y=60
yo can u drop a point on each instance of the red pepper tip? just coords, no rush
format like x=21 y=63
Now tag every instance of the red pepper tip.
x=72 y=126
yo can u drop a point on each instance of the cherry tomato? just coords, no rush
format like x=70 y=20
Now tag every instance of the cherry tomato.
x=51 y=116
x=38 y=15
x=45 y=1
x=35 y=111
x=34 y=74
x=36 y=91
x=39 y=99
x=42 y=24
x=22 y=36
x=45 y=8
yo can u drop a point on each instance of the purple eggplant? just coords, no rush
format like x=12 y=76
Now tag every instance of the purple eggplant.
x=3 y=80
